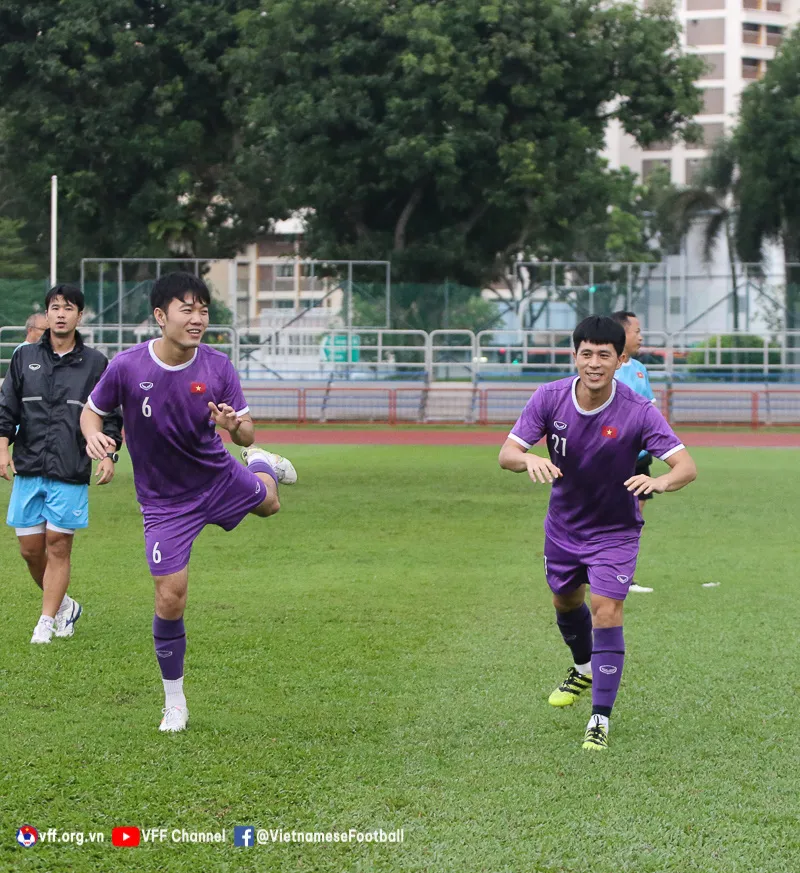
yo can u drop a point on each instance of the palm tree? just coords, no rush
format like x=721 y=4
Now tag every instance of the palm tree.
x=713 y=199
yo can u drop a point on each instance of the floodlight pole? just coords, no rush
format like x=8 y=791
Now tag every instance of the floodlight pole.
x=53 y=227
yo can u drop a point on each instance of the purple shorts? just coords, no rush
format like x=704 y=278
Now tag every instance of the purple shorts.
x=170 y=529
x=607 y=568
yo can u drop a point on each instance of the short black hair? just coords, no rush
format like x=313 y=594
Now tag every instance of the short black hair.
x=70 y=293
x=622 y=316
x=600 y=330
x=175 y=286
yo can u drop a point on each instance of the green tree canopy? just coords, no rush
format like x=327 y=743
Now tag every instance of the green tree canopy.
x=129 y=103
x=450 y=136
x=767 y=141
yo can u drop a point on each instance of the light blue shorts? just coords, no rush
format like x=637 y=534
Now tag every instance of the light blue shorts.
x=37 y=503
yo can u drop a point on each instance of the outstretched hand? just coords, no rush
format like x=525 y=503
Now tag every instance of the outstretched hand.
x=642 y=484
x=6 y=465
x=541 y=469
x=225 y=416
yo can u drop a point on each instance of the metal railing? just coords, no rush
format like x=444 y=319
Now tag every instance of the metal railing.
x=496 y=405
x=378 y=354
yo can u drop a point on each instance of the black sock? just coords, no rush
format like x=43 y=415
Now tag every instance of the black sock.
x=576 y=628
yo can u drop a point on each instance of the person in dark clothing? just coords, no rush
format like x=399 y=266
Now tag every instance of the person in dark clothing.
x=41 y=400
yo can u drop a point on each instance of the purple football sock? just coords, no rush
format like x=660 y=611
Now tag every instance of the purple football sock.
x=608 y=657
x=260 y=466
x=576 y=628
x=170 y=640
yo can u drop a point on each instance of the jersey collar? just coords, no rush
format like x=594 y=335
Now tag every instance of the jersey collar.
x=599 y=408
x=164 y=366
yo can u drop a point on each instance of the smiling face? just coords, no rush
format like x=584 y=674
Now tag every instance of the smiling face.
x=63 y=317
x=596 y=365
x=184 y=322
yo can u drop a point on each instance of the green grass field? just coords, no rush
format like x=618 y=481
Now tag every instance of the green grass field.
x=379 y=655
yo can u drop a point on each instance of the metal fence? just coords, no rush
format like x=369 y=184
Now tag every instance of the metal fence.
x=374 y=354
x=501 y=405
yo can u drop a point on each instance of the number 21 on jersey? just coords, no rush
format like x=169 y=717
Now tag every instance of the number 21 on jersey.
x=559 y=445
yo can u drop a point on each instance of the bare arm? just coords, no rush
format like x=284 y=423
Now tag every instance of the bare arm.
x=682 y=471
x=98 y=444
x=6 y=464
x=517 y=459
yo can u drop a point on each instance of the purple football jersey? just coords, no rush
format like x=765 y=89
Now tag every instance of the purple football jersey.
x=596 y=452
x=173 y=443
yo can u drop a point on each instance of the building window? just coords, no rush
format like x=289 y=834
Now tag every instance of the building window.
x=649 y=165
x=662 y=146
x=694 y=167
x=774 y=35
x=715 y=66
x=712 y=132
x=713 y=101
x=769 y=5
x=265 y=278
x=694 y=5
x=751 y=33
x=706 y=31
x=675 y=305
x=242 y=280
x=284 y=271
x=751 y=68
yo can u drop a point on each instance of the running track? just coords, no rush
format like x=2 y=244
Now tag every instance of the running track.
x=480 y=437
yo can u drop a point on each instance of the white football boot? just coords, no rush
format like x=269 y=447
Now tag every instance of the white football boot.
x=43 y=632
x=283 y=467
x=175 y=719
x=65 y=619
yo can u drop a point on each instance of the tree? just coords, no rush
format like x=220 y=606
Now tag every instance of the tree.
x=713 y=200
x=768 y=153
x=449 y=136
x=129 y=102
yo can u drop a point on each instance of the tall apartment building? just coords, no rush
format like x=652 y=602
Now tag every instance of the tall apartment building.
x=736 y=39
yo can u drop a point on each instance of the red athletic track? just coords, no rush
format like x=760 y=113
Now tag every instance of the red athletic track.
x=401 y=437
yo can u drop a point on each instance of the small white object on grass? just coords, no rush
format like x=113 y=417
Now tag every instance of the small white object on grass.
x=711 y=584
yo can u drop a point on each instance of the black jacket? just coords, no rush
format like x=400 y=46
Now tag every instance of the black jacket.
x=44 y=394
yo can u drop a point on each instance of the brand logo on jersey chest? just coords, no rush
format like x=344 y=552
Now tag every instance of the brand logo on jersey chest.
x=145 y=386
x=560 y=425
x=34 y=366
x=640 y=375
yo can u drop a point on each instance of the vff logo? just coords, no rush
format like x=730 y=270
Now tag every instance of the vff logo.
x=27 y=836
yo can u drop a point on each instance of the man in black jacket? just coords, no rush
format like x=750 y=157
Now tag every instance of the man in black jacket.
x=40 y=406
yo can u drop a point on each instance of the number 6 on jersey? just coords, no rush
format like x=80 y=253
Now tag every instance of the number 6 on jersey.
x=146 y=408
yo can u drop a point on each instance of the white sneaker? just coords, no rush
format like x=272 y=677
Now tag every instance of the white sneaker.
x=640 y=589
x=65 y=621
x=283 y=467
x=175 y=719
x=43 y=632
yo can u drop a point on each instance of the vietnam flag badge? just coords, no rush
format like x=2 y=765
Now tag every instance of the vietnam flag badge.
x=610 y=432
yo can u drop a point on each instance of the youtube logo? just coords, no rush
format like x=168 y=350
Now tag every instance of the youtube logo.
x=125 y=836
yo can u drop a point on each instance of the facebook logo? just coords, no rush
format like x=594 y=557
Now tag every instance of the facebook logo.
x=243 y=836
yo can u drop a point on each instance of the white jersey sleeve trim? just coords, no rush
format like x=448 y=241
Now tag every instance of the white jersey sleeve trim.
x=95 y=408
x=671 y=452
x=513 y=436
x=243 y=411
